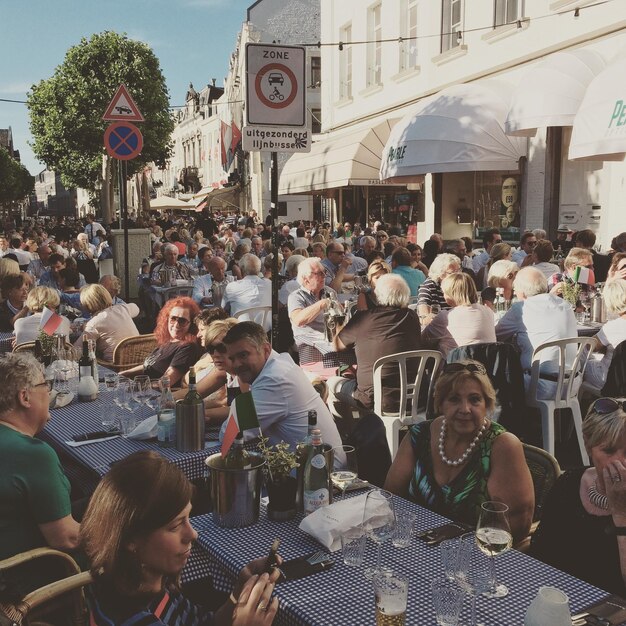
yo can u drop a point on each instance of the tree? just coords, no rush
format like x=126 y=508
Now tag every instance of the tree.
x=66 y=109
x=15 y=180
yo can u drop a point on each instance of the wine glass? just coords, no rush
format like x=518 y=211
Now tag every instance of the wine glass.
x=435 y=309
x=63 y=367
x=345 y=476
x=473 y=572
x=379 y=520
x=143 y=389
x=493 y=536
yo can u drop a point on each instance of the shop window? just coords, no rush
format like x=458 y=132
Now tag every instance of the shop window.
x=316 y=72
x=345 y=63
x=507 y=11
x=497 y=201
x=374 y=46
x=451 y=24
x=408 y=29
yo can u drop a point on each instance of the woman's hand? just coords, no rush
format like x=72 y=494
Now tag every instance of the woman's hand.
x=256 y=568
x=614 y=475
x=255 y=606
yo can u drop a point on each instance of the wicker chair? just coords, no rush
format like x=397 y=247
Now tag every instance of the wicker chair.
x=60 y=596
x=130 y=352
x=29 y=346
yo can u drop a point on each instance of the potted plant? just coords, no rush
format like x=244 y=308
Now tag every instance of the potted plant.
x=280 y=461
x=47 y=341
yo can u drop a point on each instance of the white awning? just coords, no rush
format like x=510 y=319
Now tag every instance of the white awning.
x=343 y=159
x=224 y=197
x=165 y=202
x=550 y=93
x=599 y=132
x=460 y=129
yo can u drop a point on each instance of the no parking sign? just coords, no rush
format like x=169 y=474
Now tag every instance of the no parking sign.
x=275 y=85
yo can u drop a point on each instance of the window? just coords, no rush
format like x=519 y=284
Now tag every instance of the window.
x=316 y=71
x=451 y=24
x=345 y=63
x=506 y=11
x=316 y=120
x=374 y=47
x=408 y=29
x=282 y=209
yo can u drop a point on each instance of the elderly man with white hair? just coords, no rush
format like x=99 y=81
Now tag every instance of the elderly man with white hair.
x=535 y=318
x=307 y=304
x=430 y=293
x=388 y=328
x=170 y=261
x=250 y=291
x=291 y=271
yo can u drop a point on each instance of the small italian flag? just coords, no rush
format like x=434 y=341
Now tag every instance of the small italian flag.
x=50 y=321
x=242 y=417
x=584 y=276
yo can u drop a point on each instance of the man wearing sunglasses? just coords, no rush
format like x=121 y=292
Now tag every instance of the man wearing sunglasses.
x=336 y=265
x=34 y=491
x=523 y=256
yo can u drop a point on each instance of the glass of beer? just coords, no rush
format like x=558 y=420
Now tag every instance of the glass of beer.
x=391 y=591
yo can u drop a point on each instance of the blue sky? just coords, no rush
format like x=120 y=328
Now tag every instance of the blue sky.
x=193 y=40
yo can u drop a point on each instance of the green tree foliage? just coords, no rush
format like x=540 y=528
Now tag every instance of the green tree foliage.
x=66 y=109
x=15 y=180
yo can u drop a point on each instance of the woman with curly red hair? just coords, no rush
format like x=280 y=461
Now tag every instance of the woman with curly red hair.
x=178 y=347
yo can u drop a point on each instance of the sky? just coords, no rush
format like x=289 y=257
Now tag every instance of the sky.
x=192 y=39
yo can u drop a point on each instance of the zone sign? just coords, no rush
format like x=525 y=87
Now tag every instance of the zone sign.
x=275 y=85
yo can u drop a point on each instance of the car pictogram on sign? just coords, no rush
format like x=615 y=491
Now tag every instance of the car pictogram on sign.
x=123 y=109
x=275 y=77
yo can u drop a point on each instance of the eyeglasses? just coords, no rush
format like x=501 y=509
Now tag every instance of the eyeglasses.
x=181 y=321
x=602 y=406
x=216 y=347
x=336 y=252
x=46 y=383
x=318 y=274
x=474 y=368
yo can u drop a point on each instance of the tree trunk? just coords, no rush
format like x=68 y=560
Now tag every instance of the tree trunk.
x=145 y=192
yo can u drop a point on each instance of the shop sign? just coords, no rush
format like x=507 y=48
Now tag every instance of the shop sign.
x=509 y=192
x=396 y=154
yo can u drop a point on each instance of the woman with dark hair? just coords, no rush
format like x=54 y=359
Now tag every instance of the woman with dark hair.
x=138 y=537
x=15 y=288
x=176 y=336
x=431 y=250
x=416 y=257
x=462 y=458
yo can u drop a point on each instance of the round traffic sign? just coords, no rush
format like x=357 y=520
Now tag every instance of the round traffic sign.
x=123 y=141
x=273 y=92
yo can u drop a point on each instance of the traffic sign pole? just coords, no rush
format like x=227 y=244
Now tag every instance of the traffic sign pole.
x=274 y=210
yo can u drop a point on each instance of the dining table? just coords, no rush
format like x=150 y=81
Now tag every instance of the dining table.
x=342 y=596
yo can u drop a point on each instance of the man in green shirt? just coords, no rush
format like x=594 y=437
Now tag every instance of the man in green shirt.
x=35 y=507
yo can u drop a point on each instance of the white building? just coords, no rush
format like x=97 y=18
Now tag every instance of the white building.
x=414 y=49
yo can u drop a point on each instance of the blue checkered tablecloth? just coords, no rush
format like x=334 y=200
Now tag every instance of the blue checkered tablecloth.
x=6 y=342
x=342 y=596
x=95 y=459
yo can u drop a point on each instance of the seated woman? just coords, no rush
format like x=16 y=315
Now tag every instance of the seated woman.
x=430 y=293
x=27 y=328
x=499 y=252
x=584 y=519
x=367 y=298
x=69 y=279
x=416 y=257
x=466 y=323
x=13 y=307
x=217 y=383
x=611 y=334
x=501 y=274
x=108 y=324
x=461 y=459
x=137 y=535
x=178 y=348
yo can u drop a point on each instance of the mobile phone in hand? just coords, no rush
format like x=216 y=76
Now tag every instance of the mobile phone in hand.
x=271 y=561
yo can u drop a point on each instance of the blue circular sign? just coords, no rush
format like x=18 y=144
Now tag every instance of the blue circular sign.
x=123 y=141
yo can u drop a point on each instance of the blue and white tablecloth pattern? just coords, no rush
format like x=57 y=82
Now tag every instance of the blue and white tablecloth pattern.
x=6 y=342
x=342 y=596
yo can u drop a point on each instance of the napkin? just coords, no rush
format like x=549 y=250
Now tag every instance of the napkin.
x=329 y=522
x=145 y=430
x=76 y=444
x=59 y=400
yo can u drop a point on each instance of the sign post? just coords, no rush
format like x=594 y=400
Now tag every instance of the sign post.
x=276 y=121
x=123 y=141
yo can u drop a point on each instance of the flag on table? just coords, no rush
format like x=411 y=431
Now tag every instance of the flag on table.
x=584 y=276
x=50 y=321
x=242 y=417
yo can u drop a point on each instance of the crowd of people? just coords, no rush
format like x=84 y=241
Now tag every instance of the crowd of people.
x=394 y=296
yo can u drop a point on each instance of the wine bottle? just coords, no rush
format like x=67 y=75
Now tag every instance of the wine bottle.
x=237 y=457
x=85 y=364
x=316 y=492
x=190 y=419
x=166 y=421
x=312 y=425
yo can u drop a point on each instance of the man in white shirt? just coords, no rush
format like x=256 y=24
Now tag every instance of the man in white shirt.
x=250 y=291
x=92 y=230
x=490 y=238
x=23 y=256
x=538 y=317
x=203 y=285
x=282 y=393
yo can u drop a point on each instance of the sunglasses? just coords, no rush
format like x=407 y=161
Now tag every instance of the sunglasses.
x=603 y=406
x=182 y=321
x=474 y=368
x=217 y=347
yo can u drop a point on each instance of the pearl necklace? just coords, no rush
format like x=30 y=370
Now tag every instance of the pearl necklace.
x=598 y=499
x=468 y=451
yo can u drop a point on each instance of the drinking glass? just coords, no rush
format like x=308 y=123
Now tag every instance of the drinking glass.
x=473 y=572
x=493 y=536
x=448 y=601
x=143 y=389
x=352 y=546
x=63 y=366
x=379 y=520
x=403 y=531
x=391 y=592
x=450 y=557
x=108 y=413
x=343 y=478
x=435 y=309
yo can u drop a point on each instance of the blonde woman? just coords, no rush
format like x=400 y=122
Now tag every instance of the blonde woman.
x=8 y=267
x=501 y=274
x=367 y=297
x=466 y=322
x=27 y=328
x=109 y=323
x=499 y=252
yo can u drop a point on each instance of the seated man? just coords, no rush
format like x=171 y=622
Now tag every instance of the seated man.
x=250 y=291
x=291 y=285
x=170 y=256
x=50 y=278
x=388 y=328
x=204 y=286
x=336 y=265
x=113 y=285
x=535 y=318
x=282 y=394
x=34 y=491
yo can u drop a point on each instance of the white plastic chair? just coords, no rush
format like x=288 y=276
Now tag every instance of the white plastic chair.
x=260 y=314
x=409 y=391
x=568 y=380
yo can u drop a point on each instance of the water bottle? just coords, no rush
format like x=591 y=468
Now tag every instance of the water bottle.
x=166 y=420
x=316 y=492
